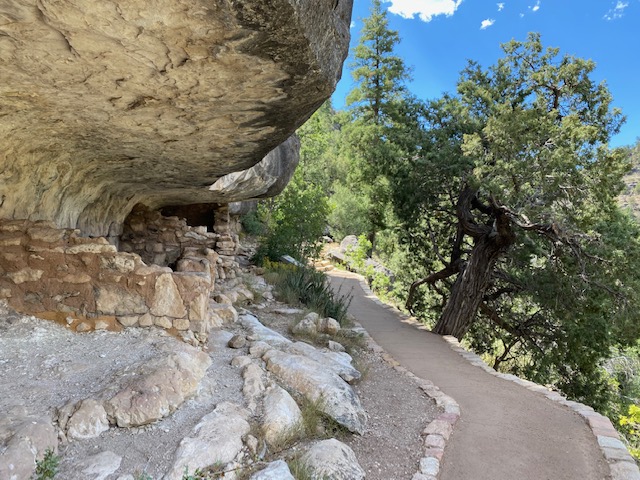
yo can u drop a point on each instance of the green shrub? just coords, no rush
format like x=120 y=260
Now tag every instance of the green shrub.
x=631 y=427
x=252 y=224
x=349 y=212
x=309 y=287
x=47 y=468
x=295 y=222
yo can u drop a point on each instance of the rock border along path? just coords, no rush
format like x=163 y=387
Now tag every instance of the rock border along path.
x=565 y=448
x=437 y=432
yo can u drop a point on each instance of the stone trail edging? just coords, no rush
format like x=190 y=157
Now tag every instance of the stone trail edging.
x=621 y=464
x=439 y=430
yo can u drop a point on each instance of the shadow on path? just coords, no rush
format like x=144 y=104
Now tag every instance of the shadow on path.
x=505 y=432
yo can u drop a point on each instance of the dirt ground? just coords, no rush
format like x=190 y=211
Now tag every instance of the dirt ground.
x=44 y=366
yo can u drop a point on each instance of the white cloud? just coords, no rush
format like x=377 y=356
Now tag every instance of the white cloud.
x=487 y=23
x=536 y=7
x=353 y=24
x=424 y=9
x=522 y=15
x=617 y=11
x=500 y=7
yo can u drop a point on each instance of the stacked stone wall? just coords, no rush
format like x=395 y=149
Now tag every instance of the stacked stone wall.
x=86 y=283
x=164 y=240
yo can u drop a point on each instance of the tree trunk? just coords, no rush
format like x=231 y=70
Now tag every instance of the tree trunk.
x=470 y=287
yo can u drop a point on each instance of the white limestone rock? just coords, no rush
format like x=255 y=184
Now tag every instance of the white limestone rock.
x=281 y=414
x=278 y=470
x=254 y=387
x=23 y=440
x=332 y=459
x=219 y=339
x=306 y=326
x=318 y=383
x=158 y=388
x=217 y=438
x=259 y=332
x=328 y=325
x=100 y=466
x=337 y=362
x=89 y=421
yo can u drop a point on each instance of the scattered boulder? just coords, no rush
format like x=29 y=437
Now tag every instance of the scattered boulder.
x=158 y=388
x=100 y=466
x=278 y=470
x=259 y=332
x=258 y=349
x=348 y=242
x=335 y=346
x=338 y=362
x=253 y=384
x=23 y=440
x=240 y=361
x=217 y=438
x=89 y=421
x=281 y=414
x=319 y=384
x=222 y=314
x=306 y=326
x=332 y=459
x=328 y=325
x=237 y=341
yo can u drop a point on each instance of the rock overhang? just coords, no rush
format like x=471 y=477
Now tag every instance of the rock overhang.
x=104 y=105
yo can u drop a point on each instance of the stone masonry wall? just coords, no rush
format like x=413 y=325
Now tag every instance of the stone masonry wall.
x=163 y=240
x=86 y=283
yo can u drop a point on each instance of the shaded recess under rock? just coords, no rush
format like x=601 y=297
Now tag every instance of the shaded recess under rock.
x=110 y=104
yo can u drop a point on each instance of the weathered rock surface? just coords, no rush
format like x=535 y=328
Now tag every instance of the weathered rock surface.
x=23 y=440
x=338 y=362
x=278 y=470
x=89 y=421
x=306 y=326
x=332 y=459
x=100 y=466
x=259 y=332
x=254 y=385
x=110 y=105
x=317 y=383
x=281 y=415
x=158 y=388
x=328 y=325
x=216 y=439
x=265 y=179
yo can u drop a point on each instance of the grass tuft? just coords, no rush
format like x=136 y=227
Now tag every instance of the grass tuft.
x=309 y=287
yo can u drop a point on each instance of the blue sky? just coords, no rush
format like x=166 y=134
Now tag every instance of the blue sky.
x=438 y=36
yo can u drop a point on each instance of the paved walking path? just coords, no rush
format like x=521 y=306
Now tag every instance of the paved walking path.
x=505 y=432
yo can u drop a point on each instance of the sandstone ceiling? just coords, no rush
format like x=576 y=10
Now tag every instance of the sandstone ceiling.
x=105 y=104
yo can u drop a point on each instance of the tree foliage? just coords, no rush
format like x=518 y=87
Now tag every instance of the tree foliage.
x=511 y=212
x=295 y=222
x=383 y=117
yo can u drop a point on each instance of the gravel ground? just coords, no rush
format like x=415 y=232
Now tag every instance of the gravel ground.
x=44 y=366
x=398 y=412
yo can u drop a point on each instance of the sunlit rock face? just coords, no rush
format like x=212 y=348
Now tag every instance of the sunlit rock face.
x=104 y=105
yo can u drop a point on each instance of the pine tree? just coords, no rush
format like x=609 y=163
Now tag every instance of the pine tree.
x=385 y=118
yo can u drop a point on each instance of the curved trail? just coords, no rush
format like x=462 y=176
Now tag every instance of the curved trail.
x=505 y=432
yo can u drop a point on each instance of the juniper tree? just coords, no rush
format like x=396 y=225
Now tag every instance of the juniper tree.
x=511 y=208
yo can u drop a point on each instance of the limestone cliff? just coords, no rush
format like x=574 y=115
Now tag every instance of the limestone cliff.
x=104 y=105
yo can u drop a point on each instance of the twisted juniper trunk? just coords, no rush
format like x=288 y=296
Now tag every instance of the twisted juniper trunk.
x=492 y=239
x=469 y=288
